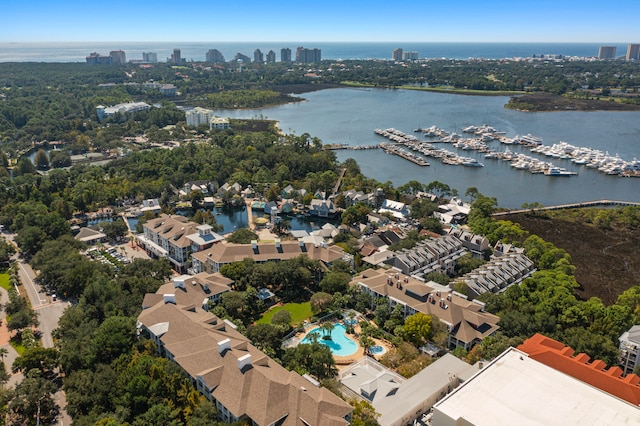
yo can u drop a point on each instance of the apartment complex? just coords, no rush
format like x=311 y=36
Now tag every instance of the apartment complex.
x=149 y=57
x=243 y=382
x=308 y=56
x=607 y=52
x=499 y=273
x=176 y=57
x=633 y=52
x=122 y=109
x=258 y=56
x=212 y=259
x=630 y=349
x=410 y=56
x=396 y=54
x=175 y=238
x=214 y=55
x=434 y=255
x=466 y=321
x=271 y=57
x=285 y=54
x=118 y=57
x=198 y=115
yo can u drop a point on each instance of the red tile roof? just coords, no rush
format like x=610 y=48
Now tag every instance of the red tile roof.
x=558 y=356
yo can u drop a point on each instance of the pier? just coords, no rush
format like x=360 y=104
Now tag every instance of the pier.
x=391 y=149
x=337 y=146
x=596 y=203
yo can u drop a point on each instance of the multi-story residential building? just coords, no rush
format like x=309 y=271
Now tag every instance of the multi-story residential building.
x=244 y=384
x=212 y=259
x=96 y=59
x=271 y=57
x=149 y=57
x=258 y=56
x=633 y=52
x=630 y=349
x=176 y=57
x=168 y=90
x=396 y=54
x=214 y=55
x=434 y=255
x=285 y=54
x=198 y=115
x=192 y=290
x=476 y=244
x=219 y=123
x=498 y=274
x=118 y=57
x=607 y=52
x=175 y=238
x=466 y=321
x=308 y=56
x=242 y=58
x=410 y=56
x=122 y=109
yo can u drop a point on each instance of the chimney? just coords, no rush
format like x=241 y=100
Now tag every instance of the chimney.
x=223 y=345
x=178 y=282
x=169 y=298
x=244 y=361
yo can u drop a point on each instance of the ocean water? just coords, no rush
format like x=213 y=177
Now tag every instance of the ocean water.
x=76 y=52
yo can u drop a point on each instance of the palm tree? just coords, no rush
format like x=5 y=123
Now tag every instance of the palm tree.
x=366 y=342
x=313 y=337
x=327 y=328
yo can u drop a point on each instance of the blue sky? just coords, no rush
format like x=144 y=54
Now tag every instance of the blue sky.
x=329 y=20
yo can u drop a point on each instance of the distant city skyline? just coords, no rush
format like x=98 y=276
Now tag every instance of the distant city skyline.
x=330 y=21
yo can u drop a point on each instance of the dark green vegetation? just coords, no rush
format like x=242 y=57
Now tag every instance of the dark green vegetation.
x=603 y=244
x=551 y=102
x=547 y=302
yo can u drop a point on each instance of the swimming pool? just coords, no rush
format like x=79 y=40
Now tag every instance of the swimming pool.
x=377 y=350
x=339 y=344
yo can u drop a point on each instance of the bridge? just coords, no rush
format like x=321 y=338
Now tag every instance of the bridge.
x=596 y=203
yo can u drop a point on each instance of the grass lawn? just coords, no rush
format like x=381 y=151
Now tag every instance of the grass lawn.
x=299 y=312
x=4 y=281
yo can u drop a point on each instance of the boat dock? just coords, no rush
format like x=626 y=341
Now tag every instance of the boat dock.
x=596 y=203
x=400 y=152
x=337 y=146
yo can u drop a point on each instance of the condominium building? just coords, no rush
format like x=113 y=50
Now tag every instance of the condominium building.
x=396 y=54
x=123 y=109
x=607 y=52
x=258 y=56
x=410 y=56
x=198 y=115
x=118 y=57
x=219 y=123
x=175 y=238
x=285 y=54
x=213 y=259
x=244 y=384
x=214 y=55
x=630 y=349
x=242 y=58
x=498 y=274
x=308 y=56
x=95 y=58
x=271 y=57
x=149 y=57
x=466 y=321
x=176 y=57
x=633 y=52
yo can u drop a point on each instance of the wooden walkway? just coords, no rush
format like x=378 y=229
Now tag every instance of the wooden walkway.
x=339 y=182
x=596 y=203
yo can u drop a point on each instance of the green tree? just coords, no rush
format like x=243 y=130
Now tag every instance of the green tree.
x=41 y=160
x=242 y=236
x=320 y=302
x=417 y=328
x=335 y=282
x=363 y=413
x=314 y=358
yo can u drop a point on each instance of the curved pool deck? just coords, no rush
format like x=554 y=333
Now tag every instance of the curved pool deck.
x=340 y=344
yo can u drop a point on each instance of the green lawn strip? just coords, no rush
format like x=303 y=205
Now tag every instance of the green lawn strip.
x=299 y=312
x=4 y=281
x=441 y=89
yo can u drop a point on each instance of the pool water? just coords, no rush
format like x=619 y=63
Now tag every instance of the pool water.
x=377 y=350
x=339 y=344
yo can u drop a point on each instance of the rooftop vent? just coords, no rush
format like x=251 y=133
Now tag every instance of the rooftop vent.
x=244 y=361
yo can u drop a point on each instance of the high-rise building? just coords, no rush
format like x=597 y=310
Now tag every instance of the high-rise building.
x=175 y=57
x=410 y=56
x=396 y=54
x=149 y=57
x=308 y=56
x=214 y=55
x=271 y=57
x=118 y=57
x=285 y=54
x=258 y=56
x=242 y=58
x=633 y=52
x=97 y=59
x=607 y=52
